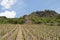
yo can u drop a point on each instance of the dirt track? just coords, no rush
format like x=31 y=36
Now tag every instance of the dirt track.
x=20 y=36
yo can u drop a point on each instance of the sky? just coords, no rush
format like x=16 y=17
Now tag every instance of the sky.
x=18 y=8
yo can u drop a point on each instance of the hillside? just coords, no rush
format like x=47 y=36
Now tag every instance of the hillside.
x=46 y=16
x=45 y=13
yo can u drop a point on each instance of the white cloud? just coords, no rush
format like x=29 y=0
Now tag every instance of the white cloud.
x=8 y=14
x=7 y=3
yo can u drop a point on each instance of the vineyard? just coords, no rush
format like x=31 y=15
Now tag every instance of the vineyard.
x=8 y=31
x=29 y=32
x=41 y=32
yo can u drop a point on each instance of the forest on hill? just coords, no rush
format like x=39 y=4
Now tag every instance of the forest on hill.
x=38 y=17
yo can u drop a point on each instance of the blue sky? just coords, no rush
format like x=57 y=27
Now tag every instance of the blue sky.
x=22 y=7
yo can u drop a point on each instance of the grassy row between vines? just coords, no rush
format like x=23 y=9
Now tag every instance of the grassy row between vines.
x=8 y=31
x=43 y=32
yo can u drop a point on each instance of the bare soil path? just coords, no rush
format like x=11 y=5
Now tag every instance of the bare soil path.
x=20 y=35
